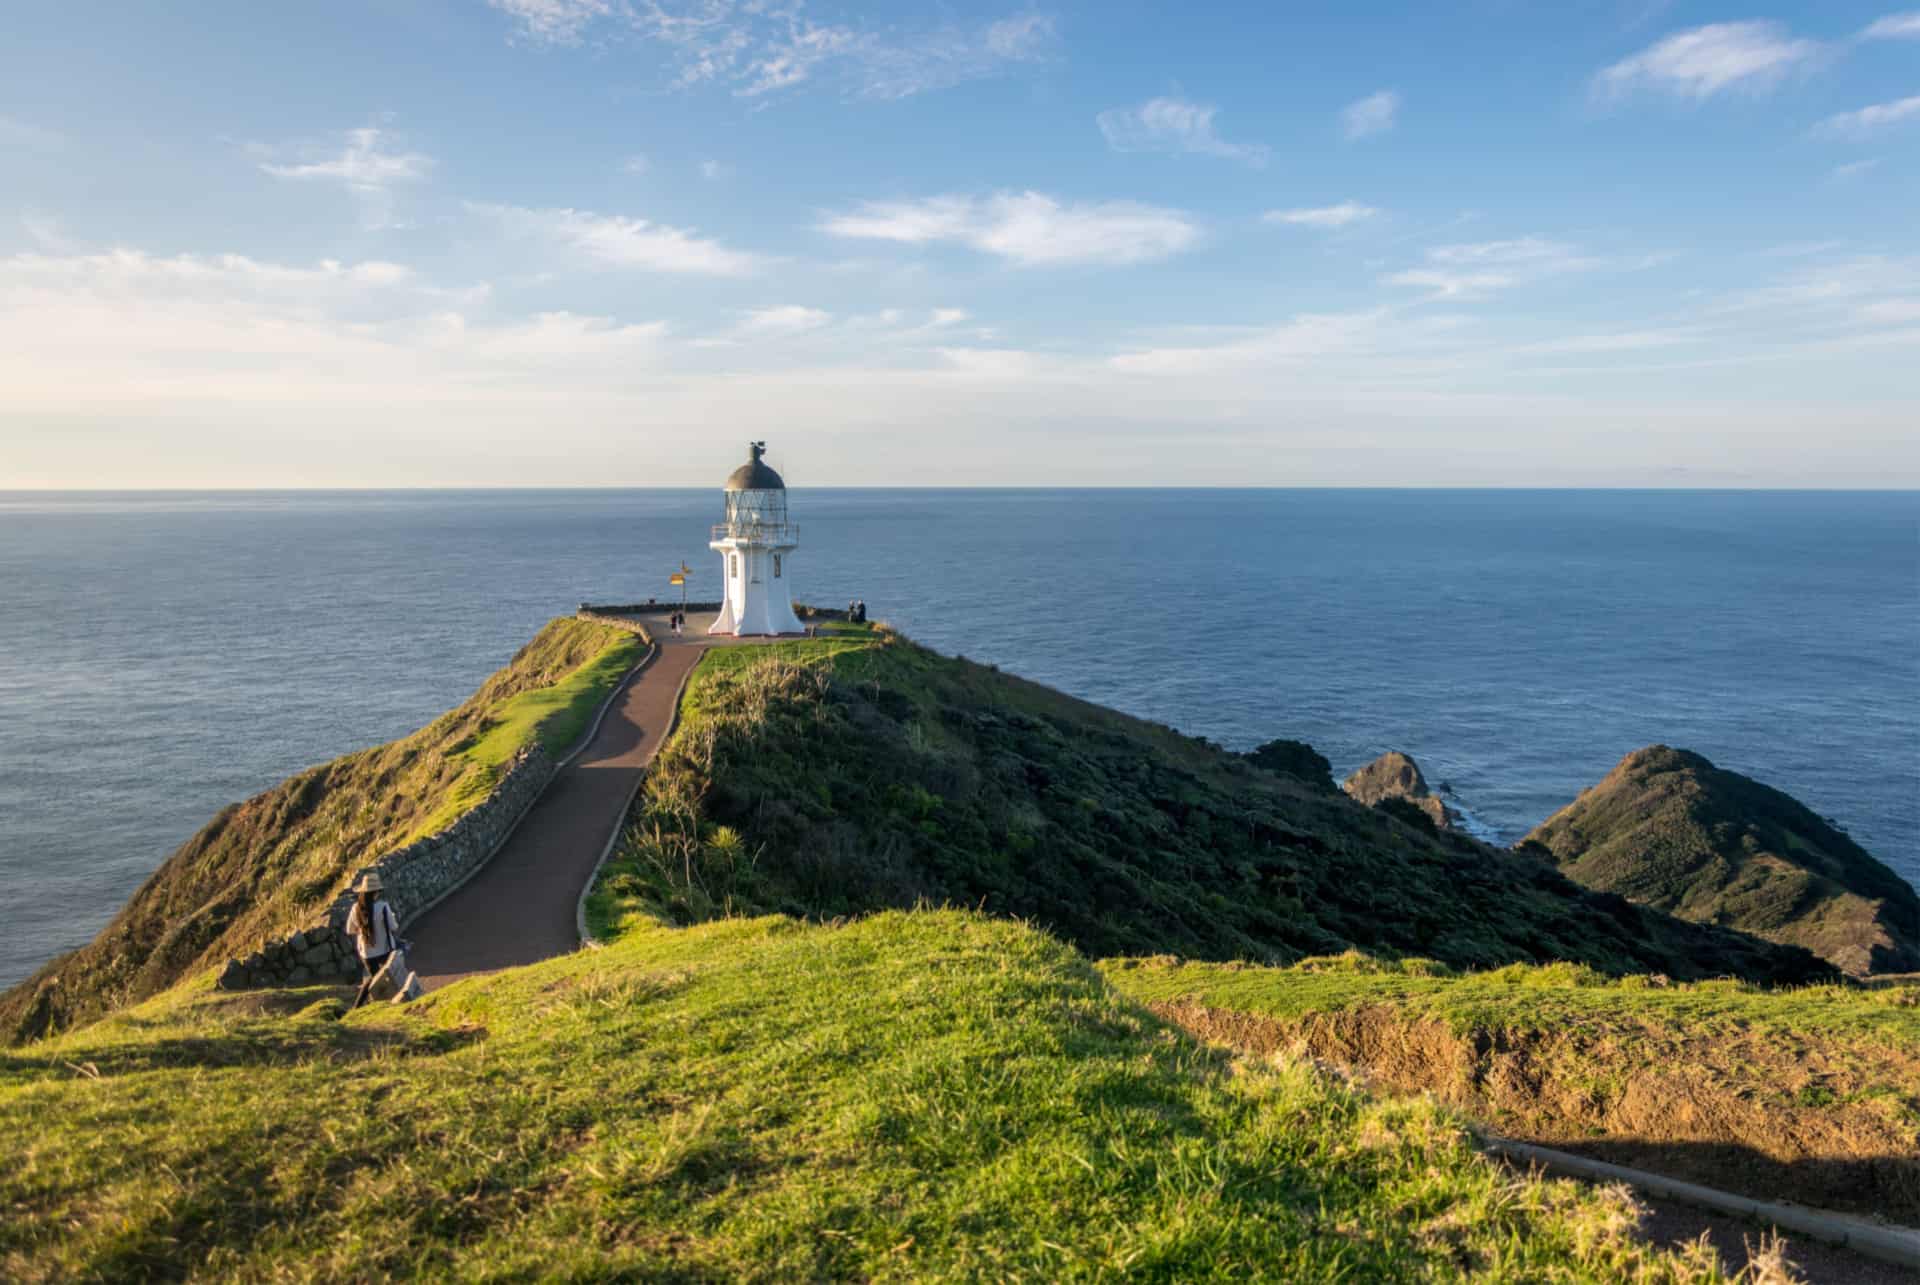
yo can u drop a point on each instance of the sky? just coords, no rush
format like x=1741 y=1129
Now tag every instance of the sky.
x=404 y=243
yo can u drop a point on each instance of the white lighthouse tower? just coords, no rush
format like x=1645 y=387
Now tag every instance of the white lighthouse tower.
x=756 y=543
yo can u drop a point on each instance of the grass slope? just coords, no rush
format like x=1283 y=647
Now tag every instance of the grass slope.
x=930 y=1096
x=262 y=867
x=835 y=778
x=1810 y=1095
x=1670 y=830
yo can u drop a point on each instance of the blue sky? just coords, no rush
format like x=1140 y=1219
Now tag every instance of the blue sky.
x=554 y=242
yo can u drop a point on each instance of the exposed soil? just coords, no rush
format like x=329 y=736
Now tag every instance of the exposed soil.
x=1743 y=1112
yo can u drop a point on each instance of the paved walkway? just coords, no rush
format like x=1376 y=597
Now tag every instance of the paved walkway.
x=520 y=908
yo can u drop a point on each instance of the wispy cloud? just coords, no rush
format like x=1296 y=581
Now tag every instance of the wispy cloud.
x=1324 y=216
x=760 y=48
x=1895 y=26
x=556 y=21
x=621 y=242
x=1174 y=125
x=786 y=319
x=635 y=164
x=1374 y=114
x=1613 y=341
x=1853 y=169
x=367 y=159
x=1026 y=228
x=367 y=162
x=713 y=170
x=1699 y=63
x=1867 y=120
x=1475 y=270
x=18 y=133
x=1303 y=338
x=184 y=274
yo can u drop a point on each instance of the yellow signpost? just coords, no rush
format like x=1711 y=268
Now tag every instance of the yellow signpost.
x=680 y=578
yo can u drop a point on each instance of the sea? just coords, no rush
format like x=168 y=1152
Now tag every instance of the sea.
x=164 y=654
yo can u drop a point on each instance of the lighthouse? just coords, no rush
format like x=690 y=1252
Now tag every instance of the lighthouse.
x=756 y=545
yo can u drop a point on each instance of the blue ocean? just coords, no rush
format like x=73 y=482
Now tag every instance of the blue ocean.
x=162 y=655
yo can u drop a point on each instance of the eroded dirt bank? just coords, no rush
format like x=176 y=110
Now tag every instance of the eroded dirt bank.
x=1744 y=1112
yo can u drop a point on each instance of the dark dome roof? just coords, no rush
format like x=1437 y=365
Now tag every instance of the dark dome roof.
x=755 y=475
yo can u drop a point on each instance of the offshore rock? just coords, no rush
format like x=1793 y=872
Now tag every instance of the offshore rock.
x=1395 y=775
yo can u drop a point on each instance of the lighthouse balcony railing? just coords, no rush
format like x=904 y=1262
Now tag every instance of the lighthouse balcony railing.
x=759 y=532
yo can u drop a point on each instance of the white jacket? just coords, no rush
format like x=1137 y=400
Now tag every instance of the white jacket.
x=383 y=937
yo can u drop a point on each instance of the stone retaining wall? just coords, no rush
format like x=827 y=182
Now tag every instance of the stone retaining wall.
x=416 y=877
x=612 y=613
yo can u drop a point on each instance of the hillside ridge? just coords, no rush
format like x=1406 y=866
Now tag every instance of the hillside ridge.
x=830 y=779
x=1668 y=829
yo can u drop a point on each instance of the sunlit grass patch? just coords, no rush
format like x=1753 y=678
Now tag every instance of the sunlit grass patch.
x=914 y=1096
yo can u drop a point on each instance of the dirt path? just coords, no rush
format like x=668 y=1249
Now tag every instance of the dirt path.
x=520 y=908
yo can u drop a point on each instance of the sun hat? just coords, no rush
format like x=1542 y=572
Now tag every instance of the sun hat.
x=369 y=882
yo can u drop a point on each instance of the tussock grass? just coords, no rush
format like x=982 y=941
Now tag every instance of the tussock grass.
x=926 y=1096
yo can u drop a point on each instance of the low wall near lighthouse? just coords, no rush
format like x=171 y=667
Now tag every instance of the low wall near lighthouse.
x=616 y=614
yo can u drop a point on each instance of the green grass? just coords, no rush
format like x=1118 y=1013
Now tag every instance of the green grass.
x=1544 y=998
x=924 y=1096
x=859 y=772
x=555 y=716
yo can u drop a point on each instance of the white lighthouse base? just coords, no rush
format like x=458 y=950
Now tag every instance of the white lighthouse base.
x=758 y=601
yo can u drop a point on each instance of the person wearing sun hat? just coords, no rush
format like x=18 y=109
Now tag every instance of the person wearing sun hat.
x=375 y=930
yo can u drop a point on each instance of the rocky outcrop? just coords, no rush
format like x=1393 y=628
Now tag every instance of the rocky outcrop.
x=415 y=877
x=1395 y=776
x=1668 y=829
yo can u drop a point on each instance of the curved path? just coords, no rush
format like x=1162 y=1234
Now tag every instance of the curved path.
x=520 y=908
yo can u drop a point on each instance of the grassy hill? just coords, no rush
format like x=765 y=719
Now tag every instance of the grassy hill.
x=1670 y=830
x=835 y=778
x=1810 y=1095
x=931 y=1096
x=265 y=866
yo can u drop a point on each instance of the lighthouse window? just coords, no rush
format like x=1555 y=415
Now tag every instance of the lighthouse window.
x=776 y=566
x=736 y=566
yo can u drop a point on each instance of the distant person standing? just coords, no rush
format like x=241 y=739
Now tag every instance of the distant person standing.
x=860 y=612
x=375 y=930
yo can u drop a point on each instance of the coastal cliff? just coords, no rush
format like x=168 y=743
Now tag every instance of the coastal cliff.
x=1668 y=829
x=264 y=869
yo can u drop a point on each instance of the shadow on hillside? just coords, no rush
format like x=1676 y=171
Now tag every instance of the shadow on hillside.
x=1887 y=1185
x=255 y=1045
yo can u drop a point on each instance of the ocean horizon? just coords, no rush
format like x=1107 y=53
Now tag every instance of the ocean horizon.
x=164 y=653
